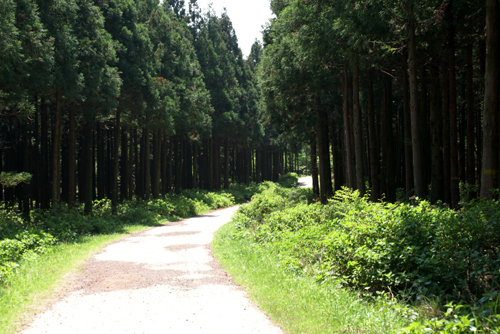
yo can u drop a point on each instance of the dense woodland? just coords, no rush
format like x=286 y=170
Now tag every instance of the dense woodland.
x=126 y=99
x=402 y=94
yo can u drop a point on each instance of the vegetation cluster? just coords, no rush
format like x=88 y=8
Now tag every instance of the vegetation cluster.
x=22 y=240
x=444 y=262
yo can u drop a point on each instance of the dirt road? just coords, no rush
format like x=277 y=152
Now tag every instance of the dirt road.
x=163 y=280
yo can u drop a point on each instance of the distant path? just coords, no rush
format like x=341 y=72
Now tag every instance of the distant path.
x=305 y=182
x=163 y=280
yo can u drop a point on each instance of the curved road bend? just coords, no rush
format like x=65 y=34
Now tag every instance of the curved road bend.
x=163 y=280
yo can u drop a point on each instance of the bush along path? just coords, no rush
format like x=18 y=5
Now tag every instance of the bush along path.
x=437 y=268
x=163 y=280
x=37 y=253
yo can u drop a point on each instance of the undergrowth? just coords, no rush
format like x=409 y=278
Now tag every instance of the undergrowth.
x=445 y=264
x=23 y=239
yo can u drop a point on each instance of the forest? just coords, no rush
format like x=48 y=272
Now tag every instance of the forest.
x=126 y=99
x=393 y=94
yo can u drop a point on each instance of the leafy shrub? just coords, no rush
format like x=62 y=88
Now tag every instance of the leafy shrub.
x=407 y=249
x=289 y=180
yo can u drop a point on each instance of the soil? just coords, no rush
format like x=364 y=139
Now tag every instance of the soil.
x=162 y=280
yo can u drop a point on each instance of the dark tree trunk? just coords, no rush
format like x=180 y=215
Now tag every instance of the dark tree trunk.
x=325 y=174
x=101 y=162
x=418 y=167
x=170 y=158
x=147 y=164
x=124 y=165
x=26 y=168
x=358 y=136
x=489 y=175
x=56 y=153
x=437 y=185
x=388 y=168
x=72 y=159
x=156 y=163
x=178 y=164
x=445 y=99
x=89 y=165
x=314 y=168
x=374 y=152
x=347 y=129
x=407 y=129
x=195 y=164
x=114 y=176
x=471 y=161
x=454 y=169
x=226 y=163
x=130 y=167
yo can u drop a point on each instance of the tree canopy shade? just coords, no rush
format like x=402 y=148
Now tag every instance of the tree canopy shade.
x=120 y=99
x=388 y=69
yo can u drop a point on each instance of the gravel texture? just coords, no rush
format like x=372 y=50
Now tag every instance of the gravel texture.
x=163 y=280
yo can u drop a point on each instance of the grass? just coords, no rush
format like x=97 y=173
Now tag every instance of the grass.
x=297 y=302
x=35 y=284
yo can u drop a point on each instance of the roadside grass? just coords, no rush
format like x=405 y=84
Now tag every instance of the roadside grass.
x=39 y=282
x=297 y=302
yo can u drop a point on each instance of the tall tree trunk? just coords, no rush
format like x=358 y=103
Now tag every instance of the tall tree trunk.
x=437 y=185
x=489 y=175
x=195 y=164
x=325 y=173
x=471 y=161
x=374 y=152
x=156 y=163
x=147 y=164
x=124 y=165
x=407 y=129
x=226 y=163
x=388 y=166
x=26 y=168
x=130 y=164
x=89 y=165
x=358 y=136
x=114 y=176
x=178 y=164
x=56 y=152
x=170 y=158
x=314 y=168
x=347 y=129
x=445 y=99
x=454 y=169
x=72 y=159
x=418 y=167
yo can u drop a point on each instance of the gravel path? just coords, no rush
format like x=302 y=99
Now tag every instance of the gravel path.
x=163 y=280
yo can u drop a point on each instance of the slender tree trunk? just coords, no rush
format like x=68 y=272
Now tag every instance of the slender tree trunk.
x=418 y=168
x=170 y=164
x=124 y=165
x=347 y=129
x=374 y=152
x=226 y=163
x=445 y=99
x=454 y=169
x=407 y=129
x=314 y=168
x=195 y=164
x=89 y=165
x=156 y=163
x=388 y=166
x=56 y=153
x=178 y=164
x=114 y=176
x=130 y=167
x=147 y=164
x=489 y=175
x=437 y=185
x=72 y=159
x=358 y=136
x=471 y=161
x=26 y=168
x=325 y=173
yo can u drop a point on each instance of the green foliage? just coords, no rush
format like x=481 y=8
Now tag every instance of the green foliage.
x=22 y=240
x=410 y=250
x=12 y=179
x=289 y=180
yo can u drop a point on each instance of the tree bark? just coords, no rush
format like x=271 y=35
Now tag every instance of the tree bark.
x=358 y=137
x=374 y=152
x=489 y=175
x=156 y=164
x=418 y=168
x=471 y=161
x=147 y=163
x=437 y=185
x=89 y=165
x=388 y=168
x=407 y=129
x=454 y=169
x=347 y=129
x=314 y=168
x=56 y=152
x=114 y=176
x=325 y=173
